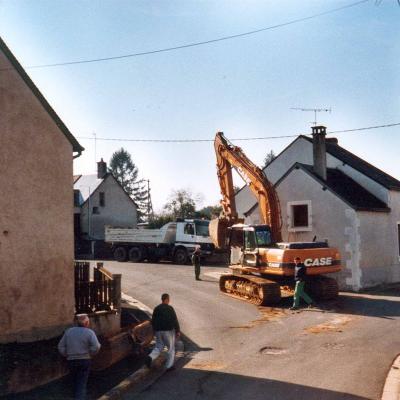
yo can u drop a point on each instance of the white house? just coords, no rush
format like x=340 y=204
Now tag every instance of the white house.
x=328 y=192
x=100 y=200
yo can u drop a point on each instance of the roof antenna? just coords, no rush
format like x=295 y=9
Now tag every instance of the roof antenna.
x=315 y=110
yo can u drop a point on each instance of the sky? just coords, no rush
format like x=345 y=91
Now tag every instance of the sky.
x=347 y=60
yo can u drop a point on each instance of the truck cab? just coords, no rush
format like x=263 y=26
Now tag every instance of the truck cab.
x=191 y=233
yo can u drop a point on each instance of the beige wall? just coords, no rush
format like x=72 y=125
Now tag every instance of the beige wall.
x=36 y=217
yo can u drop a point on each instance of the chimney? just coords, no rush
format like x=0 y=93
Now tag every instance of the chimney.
x=319 y=150
x=101 y=169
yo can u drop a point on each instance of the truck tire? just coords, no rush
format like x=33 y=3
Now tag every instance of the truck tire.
x=120 y=254
x=181 y=256
x=135 y=254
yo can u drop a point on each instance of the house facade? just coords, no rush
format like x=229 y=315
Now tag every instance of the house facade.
x=329 y=193
x=36 y=227
x=100 y=200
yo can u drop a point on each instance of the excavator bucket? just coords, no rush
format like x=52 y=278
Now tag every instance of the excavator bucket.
x=218 y=231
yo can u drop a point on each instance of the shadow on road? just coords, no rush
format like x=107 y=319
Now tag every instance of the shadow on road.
x=207 y=381
x=364 y=305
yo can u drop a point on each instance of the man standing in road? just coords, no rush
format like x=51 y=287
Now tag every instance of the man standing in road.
x=196 y=262
x=300 y=272
x=166 y=327
x=78 y=345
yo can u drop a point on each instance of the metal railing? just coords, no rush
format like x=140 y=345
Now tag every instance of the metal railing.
x=103 y=293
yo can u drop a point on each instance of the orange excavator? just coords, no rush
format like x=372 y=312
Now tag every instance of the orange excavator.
x=262 y=264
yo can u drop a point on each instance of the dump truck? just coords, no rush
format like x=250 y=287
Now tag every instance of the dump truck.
x=174 y=241
x=262 y=263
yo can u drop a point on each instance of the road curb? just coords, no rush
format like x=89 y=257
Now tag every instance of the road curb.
x=129 y=383
x=135 y=303
x=143 y=373
x=391 y=390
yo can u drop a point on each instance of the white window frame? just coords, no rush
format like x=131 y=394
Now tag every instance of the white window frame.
x=290 y=205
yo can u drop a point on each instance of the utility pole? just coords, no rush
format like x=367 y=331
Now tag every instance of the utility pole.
x=315 y=110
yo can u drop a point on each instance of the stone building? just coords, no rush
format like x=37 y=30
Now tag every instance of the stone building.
x=36 y=224
x=328 y=192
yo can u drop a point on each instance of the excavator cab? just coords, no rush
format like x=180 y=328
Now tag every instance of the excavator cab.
x=244 y=242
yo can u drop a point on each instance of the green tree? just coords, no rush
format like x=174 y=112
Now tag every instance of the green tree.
x=209 y=212
x=268 y=158
x=181 y=204
x=156 y=221
x=126 y=172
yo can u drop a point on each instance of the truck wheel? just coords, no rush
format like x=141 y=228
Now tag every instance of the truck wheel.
x=135 y=254
x=120 y=254
x=180 y=256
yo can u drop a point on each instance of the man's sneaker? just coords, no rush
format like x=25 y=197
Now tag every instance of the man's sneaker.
x=312 y=305
x=171 y=369
x=148 y=361
x=293 y=308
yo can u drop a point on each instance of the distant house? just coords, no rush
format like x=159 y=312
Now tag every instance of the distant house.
x=36 y=228
x=328 y=192
x=100 y=200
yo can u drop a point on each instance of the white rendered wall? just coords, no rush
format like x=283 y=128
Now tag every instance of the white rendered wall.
x=119 y=210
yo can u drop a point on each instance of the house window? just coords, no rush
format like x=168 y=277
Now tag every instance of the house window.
x=102 y=200
x=299 y=216
x=95 y=210
x=76 y=198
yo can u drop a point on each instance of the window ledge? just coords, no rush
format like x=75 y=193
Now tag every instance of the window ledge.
x=300 y=229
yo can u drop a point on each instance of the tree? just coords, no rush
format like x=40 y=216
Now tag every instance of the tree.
x=181 y=204
x=268 y=158
x=209 y=212
x=158 y=220
x=126 y=173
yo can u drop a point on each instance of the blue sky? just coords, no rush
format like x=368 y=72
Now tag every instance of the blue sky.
x=348 y=60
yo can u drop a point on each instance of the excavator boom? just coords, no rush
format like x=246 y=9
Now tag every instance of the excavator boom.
x=228 y=157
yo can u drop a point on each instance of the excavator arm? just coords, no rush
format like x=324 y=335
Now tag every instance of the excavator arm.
x=228 y=157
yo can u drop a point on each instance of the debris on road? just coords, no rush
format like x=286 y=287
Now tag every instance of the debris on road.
x=334 y=325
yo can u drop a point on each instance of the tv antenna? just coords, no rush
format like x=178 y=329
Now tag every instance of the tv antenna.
x=315 y=110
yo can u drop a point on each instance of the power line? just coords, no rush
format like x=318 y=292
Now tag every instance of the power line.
x=185 y=46
x=364 y=129
x=234 y=139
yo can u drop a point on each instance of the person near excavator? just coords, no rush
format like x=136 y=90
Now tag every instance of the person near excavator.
x=300 y=272
x=196 y=259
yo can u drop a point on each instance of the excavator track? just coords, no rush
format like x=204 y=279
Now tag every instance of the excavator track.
x=259 y=291
x=322 y=288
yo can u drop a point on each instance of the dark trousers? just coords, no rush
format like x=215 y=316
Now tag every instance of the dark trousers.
x=79 y=370
x=197 y=271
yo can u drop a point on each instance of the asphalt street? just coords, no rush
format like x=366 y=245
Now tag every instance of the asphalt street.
x=237 y=350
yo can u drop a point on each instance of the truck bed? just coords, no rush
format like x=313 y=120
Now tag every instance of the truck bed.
x=130 y=235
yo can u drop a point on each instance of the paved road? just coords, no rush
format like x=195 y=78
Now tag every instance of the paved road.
x=239 y=351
